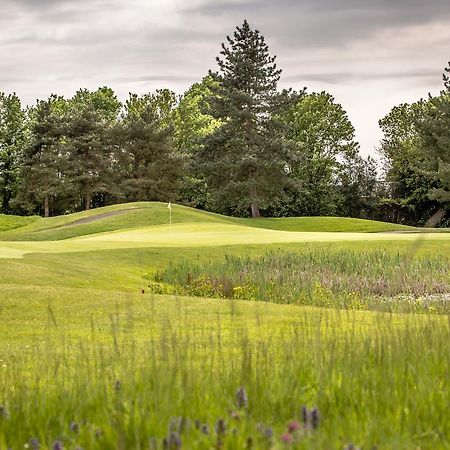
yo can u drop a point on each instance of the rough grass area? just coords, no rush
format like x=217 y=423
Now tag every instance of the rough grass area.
x=345 y=278
x=98 y=370
x=12 y=222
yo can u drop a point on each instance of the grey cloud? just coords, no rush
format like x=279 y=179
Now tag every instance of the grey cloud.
x=326 y=22
x=338 y=45
x=351 y=77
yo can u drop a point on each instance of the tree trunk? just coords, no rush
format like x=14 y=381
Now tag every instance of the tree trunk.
x=87 y=201
x=46 y=206
x=88 y=196
x=254 y=203
x=255 y=211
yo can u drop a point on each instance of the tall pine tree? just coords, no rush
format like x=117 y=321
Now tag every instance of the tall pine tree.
x=148 y=167
x=89 y=124
x=44 y=160
x=244 y=159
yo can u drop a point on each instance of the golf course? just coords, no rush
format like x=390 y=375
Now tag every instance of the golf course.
x=122 y=330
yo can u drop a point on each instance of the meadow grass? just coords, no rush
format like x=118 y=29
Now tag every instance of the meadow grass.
x=99 y=370
x=89 y=361
x=380 y=278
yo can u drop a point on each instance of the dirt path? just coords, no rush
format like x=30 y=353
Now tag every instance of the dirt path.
x=85 y=220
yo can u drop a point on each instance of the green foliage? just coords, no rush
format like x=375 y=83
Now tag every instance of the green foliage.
x=407 y=198
x=148 y=167
x=192 y=123
x=45 y=160
x=89 y=122
x=12 y=138
x=434 y=131
x=321 y=138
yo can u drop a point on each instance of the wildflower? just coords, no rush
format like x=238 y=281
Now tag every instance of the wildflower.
x=205 y=428
x=286 y=438
x=293 y=426
x=315 y=418
x=221 y=427
x=305 y=415
x=57 y=445
x=241 y=398
x=74 y=427
x=268 y=433
x=34 y=444
x=174 y=441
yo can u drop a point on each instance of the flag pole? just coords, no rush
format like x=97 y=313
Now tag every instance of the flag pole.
x=169 y=206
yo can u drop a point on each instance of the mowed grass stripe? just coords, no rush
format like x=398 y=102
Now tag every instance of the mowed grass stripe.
x=197 y=235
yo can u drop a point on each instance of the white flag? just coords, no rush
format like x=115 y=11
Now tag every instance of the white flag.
x=169 y=205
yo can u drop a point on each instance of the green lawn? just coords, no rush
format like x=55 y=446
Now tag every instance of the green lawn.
x=88 y=360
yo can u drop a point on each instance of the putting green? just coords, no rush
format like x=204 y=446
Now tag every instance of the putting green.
x=196 y=235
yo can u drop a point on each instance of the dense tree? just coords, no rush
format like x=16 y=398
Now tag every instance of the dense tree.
x=321 y=138
x=149 y=168
x=89 y=123
x=357 y=190
x=192 y=125
x=44 y=160
x=434 y=131
x=12 y=139
x=244 y=159
x=407 y=198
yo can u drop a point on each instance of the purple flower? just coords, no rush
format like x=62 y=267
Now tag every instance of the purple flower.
x=241 y=398
x=293 y=426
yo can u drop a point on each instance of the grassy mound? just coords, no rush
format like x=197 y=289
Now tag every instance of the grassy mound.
x=144 y=214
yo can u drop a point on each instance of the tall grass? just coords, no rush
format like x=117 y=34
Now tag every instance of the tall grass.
x=153 y=375
x=321 y=277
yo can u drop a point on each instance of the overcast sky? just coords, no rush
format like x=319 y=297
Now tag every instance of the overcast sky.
x=370 y=54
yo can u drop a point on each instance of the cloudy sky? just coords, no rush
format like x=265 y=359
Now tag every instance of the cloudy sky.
x=370 y=54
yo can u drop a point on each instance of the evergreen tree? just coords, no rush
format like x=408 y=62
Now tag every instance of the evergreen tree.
x=89 y=124
x=149 y=168
x=12 y=140
x=244 y=159
x=44 y=160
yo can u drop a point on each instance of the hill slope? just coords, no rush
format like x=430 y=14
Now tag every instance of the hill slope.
x=145 y=214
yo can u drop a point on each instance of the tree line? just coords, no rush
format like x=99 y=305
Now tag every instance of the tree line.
x=233 y=143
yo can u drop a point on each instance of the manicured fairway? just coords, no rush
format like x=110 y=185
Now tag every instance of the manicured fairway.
x=198 y=235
